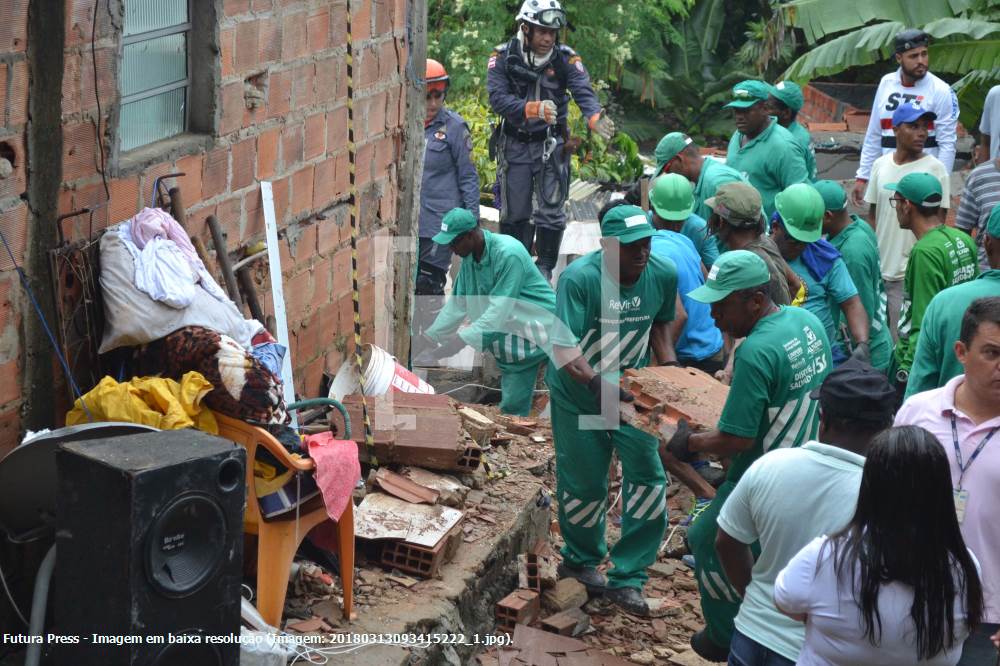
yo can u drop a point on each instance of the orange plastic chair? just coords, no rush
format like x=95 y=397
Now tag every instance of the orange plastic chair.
x=279 y=538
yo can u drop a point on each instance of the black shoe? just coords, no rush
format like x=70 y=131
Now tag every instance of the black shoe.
x=522 y=231
x=707 y=649
x=592 y=579
x=549 y=241
x=629 y=599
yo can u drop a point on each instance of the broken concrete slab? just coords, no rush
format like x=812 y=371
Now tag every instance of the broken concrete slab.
x=572 y=622
x=565 y=594
x=382 y=516
x=412 y=429
x=480 y=428
x=531 y=647
x=664 y=569
x=450 y=490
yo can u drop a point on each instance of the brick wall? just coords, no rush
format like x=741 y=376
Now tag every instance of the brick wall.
x=293 y=52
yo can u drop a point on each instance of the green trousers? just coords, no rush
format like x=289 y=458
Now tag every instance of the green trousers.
x=583 y=457
x=719 y=601
x=519 y=360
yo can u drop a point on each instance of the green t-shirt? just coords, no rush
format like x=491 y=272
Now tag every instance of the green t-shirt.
x=610 y=323
x=942 y=258
x=824 y=297
x=802 y=137
x=859 y=249
x=696 y=228
x=713 y=174
x=771 y=161
x=934 y=362
x=503 y=293
x=786 y=355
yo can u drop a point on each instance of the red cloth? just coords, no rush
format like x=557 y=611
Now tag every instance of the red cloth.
x=337 y=470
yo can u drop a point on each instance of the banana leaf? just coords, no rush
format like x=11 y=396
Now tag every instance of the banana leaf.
x=819 y=18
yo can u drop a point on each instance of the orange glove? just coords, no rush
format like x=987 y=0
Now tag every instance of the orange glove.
x=545 y=110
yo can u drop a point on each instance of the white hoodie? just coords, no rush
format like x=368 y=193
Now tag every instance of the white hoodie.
x=929 y=93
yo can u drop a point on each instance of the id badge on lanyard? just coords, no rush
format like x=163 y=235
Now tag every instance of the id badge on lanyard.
x=959 y=494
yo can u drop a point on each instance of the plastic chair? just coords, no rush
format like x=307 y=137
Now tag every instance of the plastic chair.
x=278 y=539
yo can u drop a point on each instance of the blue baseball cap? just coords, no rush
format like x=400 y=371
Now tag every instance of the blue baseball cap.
x=907 y=113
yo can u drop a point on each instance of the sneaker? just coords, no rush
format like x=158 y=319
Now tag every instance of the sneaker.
x=592 y=579
x=629 y=599
x=707 y=649
x=700 y=504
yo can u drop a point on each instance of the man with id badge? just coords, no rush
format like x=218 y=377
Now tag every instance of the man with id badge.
x=964 y=415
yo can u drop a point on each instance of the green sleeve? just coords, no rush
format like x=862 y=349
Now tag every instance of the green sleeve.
x=840 y=285
x=791 y=166
x=509 y=277
x=748 y=393
x=925 y=277
x=667 y=279
x=865 y=274
x=571 y=310
x=926 y=365
x=452 y=314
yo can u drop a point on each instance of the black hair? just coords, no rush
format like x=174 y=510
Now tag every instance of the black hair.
x=982 y=311
x=905 y=530
x=610 y=205
x=784 y=107
x=926 y=211
x=691 y=149
x=861 y=428
x=748 y=293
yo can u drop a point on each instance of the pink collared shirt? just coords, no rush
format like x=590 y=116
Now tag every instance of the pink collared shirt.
x=932 y=410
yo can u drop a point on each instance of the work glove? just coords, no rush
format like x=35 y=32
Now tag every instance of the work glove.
x=862 y=352
x=544 y=110
x=603 y=125
x=596 y=384
x=677 y=446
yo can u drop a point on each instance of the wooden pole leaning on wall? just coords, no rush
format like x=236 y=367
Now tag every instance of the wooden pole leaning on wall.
x=219 y=240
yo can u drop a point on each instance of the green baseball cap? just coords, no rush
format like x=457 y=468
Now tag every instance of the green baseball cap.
x=455 y=223
x=669 y=147
x=834 y=197
x=732 y=271
x=993 y=223
x=737 y=203
x=921 y=188
x=789 y=93
x=672 y=197
x=626 y=223
x=801 y=209
x=748 y=93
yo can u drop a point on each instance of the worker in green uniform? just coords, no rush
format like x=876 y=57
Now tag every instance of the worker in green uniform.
x=508 y=303
x=672 y=201
x=617 y=303
x=934 y=362
x=761 y=149
x=677 y=153
x=786 y=100
x=855 y=240
x=784 y=357
x=942 y=257
x=796 y=227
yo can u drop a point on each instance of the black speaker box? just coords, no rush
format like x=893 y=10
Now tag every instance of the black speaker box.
x=149 y=550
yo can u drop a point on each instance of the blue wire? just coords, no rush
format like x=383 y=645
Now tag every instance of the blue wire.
x=45 y=325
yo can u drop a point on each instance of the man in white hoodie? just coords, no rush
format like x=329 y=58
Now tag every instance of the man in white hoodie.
x=911 y=84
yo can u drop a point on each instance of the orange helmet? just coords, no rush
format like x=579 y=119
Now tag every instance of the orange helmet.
x=436 y=76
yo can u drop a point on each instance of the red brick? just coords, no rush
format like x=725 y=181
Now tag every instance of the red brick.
x=336 y=129
x=234 y=7
x=262 y=5
x=331 y=82
x=291 y=145
x=338 y=25
x=269 y=40
x=15 y=184
x=244 y=154
x=9 y=390
x=392 y=107
x=345 y=310
x=10 y=425
x=385 y=155
x=387 y=203
x=361 y=21
x=328 y=237
x=311 y=377
x=107 y=67
x=315 y=136
x=254 y=227
x=279 y=95
x=233 y=106
x=324 y=181
x=294 y=40
x=298 y=295
x=302 y=190
x=375 y=113
x=13 y=25
x=365 y=162
x=227 y=43
x=79 y=151
x=280 y=199
x=70 y=85
x=342 y=184
x=388 y=60
x=342 y=267
x=267 y=153
x=124 y=202
x=190 y=184
x=17 y=101
x=216 y=173
x=318 y=31
x=303 y=85
x=366 y=69
x=246 y=46
x=3 y=88
x=229 y=214
x=15 y=221
x=399 y=14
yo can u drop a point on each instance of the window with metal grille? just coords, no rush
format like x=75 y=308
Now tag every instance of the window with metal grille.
x=155 y=78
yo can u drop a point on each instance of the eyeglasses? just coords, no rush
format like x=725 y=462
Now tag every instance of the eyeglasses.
x=895 y=201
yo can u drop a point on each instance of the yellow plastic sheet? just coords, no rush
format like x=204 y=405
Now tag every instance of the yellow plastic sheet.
x=153 y=401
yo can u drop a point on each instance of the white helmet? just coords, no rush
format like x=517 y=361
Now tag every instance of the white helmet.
x=544 y=13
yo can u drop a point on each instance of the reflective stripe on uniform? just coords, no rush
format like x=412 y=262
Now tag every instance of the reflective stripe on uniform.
x=787 y=423
x=645 y=502
x=576 y=511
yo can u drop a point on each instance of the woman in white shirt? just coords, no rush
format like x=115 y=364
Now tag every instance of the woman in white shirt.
x=897 y=586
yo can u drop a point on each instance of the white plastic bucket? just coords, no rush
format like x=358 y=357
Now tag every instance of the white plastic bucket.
x=381 y=373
